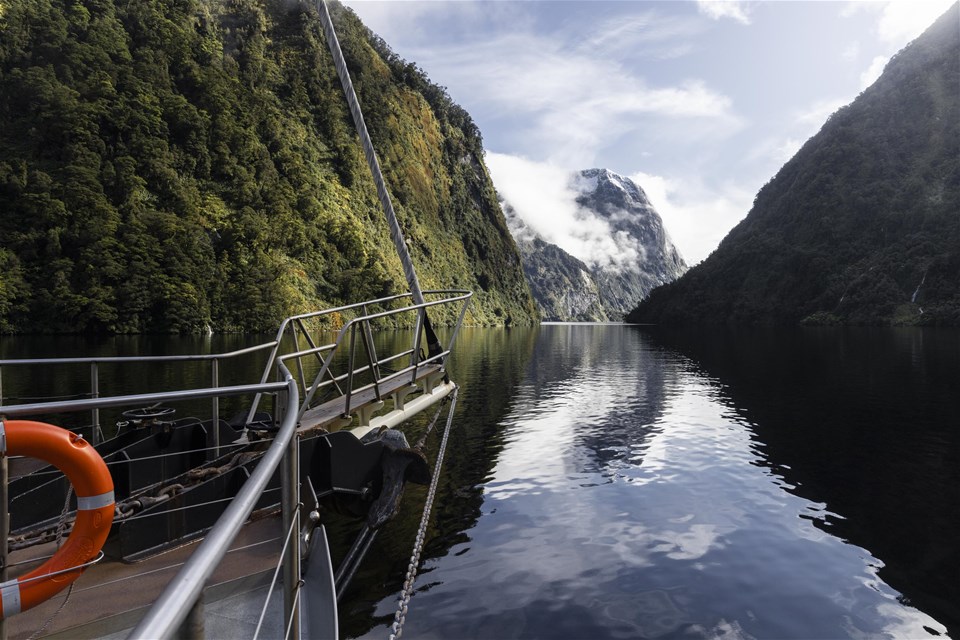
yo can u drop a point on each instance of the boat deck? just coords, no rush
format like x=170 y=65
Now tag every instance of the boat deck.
x=330 y=415
x=111 y=597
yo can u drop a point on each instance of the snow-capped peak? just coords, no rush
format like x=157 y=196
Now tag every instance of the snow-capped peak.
x=591 y=181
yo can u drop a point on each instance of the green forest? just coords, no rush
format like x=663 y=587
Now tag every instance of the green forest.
x=862 y=226
x=178 y=165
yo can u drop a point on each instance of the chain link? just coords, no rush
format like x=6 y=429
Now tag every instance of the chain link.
x=403 y=602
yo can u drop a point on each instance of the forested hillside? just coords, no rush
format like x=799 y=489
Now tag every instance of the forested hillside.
x=168 y=165
x=862 y=226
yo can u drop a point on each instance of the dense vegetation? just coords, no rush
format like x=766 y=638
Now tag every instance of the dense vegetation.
x=169 y=165
x=862 y=226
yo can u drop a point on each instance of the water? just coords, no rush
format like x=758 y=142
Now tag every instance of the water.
x=621 y=482
x=616 y=482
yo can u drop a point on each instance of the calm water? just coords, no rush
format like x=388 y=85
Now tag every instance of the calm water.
x=616 y=482
x=621 y=482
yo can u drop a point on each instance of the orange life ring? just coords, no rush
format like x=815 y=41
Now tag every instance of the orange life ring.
x=91 y=481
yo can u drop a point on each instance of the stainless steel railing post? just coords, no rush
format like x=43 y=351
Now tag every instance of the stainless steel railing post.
x=171 y=608
x=4 y=521
x=290 y=506
x=95 y=393
x=415 y=356
x=215 y=383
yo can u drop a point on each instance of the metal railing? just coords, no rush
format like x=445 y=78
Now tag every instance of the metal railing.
x=182 y=594
x=94 y=364
x=181 y=600
x=346 y=339
x=370 y=367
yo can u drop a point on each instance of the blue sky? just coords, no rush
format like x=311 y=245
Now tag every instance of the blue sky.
x=699 y=102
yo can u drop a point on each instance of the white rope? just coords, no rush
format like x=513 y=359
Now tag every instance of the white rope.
x=276 y=572
x=403 y=602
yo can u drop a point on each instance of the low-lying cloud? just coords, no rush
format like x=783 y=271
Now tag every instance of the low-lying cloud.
x=544 y=197
x=696 y=219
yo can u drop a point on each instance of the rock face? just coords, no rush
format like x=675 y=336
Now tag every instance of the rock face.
x=563 y=286
x=608 y=281
x=861 y=225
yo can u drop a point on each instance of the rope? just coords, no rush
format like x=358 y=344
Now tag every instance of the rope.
x=396 y=234
x=276 y=573
x=111 y=463
x=403 y=601
x=61 y=527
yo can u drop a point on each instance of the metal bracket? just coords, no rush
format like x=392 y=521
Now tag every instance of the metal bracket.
x=367 y=411
x=400 y=395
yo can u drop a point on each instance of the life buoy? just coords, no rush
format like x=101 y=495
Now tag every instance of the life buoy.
x=91 y=481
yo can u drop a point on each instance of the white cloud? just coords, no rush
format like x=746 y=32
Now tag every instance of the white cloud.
x=696 y=218
x=899 y=21
x=873 y=72
x=409 y=21
x=644 y=34
x=717 y=9
x=779 y=147
x=544 y=197
x=817 y=113
x=787 y=149
x=903 y=20
x=775 y=151
x=851 y=52
x=576 y=103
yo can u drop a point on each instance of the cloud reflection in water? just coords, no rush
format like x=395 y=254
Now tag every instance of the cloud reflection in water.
x=631 y=499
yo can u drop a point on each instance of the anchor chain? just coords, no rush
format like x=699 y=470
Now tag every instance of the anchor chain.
x=403 y=602
x=126 y=509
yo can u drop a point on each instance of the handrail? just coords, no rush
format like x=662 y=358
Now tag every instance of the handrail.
x=121 y=359
x=455 y=296
x=182 y=592
x=21 y=410
x=94 y=362
x=180 y=598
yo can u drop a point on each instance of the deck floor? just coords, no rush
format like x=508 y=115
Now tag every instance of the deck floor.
x=328 y=413
x=111 y=597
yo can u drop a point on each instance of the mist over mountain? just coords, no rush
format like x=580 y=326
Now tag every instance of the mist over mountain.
x=173 y=165
x=862 y=225
x=624 y=251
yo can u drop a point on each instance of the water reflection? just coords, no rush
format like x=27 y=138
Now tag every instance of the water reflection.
x=600 y=385
x=633 y=495
x=489 y=365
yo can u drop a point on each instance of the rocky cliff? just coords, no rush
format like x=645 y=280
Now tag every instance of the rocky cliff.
x=637 y=256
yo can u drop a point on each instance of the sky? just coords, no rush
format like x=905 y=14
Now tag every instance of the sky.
x=699 y=102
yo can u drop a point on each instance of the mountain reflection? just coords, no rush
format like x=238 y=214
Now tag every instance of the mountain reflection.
x=604 y=385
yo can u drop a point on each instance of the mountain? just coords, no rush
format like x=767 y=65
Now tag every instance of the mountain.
x=176 y=164
x=563 y=286
x=861 y=226
x=636 y=256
